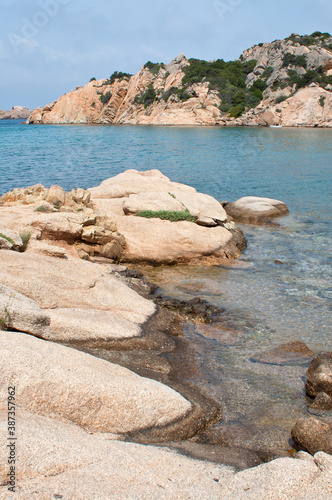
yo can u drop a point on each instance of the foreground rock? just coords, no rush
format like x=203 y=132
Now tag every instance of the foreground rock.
x=85 y=302
x=21 y=313
x=161 y=241
x=102 y=224
x=67 y=462
x=52 y=380
x=312 y=435
x=10 y=240
x=255 y=210
x=59 y=219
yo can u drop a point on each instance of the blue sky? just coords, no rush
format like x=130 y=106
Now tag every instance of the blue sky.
x=47 y=47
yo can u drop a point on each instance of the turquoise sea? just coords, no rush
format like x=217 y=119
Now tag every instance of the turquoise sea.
x=270 y=303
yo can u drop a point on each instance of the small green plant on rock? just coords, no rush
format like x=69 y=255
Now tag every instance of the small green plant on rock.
x=25 y=237
x=10 y=240
x=280 y=99
x=322 y=101
x=167 y=215
x=5 y=315
x=4 y=319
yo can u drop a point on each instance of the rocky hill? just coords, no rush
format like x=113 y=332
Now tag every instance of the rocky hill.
x=17 y=112
x=287 y=82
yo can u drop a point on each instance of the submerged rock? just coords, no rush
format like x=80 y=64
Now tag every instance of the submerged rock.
x=284 y=354
x=255 y=210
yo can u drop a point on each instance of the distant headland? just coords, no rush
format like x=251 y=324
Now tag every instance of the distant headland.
x=283 y=83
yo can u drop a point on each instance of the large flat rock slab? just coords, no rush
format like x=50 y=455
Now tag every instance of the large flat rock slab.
x=68 y=462
x=84 y=300
x=65 y=461
x=57 y=381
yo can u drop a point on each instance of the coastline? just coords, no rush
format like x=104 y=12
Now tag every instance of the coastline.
x=161 y=350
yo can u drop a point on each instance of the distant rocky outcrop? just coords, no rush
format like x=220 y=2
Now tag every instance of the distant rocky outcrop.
x=16 y=113
x=287 y=82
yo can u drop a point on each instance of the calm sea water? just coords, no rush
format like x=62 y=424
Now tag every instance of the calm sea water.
x=281 y=302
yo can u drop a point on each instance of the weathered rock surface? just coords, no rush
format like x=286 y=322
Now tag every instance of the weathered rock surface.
x=9 y=239
x=308 y=107
x=48 y=199
x=283 y=102
x=255 y=210
x=161 y=241
x=68 y=462
x=313 y=435
x=75 y=226
x=22 y=313
x=61 y=382
x=84 y=301
x=319 y=375
x=322 y=401
x=17 y=112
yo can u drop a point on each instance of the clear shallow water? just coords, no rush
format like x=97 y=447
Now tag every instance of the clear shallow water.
x=270 y=303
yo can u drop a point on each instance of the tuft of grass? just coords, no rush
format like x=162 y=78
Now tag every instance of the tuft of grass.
x=25 y=237
x=43 y=209
x=5 y=320
x=11 y=241
x=167 y=215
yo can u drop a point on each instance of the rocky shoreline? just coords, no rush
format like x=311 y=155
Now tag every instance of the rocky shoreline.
x=96 y=355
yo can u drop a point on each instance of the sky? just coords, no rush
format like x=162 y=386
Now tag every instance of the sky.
x=48 y=47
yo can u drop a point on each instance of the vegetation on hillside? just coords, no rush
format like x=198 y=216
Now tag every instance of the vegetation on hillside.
x=154 y=68
x=316 y=38
x=291 y=59
x=228 y=79
x=148 y=97
x=117 y=75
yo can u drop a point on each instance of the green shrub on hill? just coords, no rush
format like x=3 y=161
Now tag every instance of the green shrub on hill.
x=181 y=93
x=267 y=72
x=291 y=59
x=154 y=68
x=117 y=75
x=316 y=38
x=311 y=76
x=229 y=79
x=281 y=98
x=147 y=97
x=105 y=98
